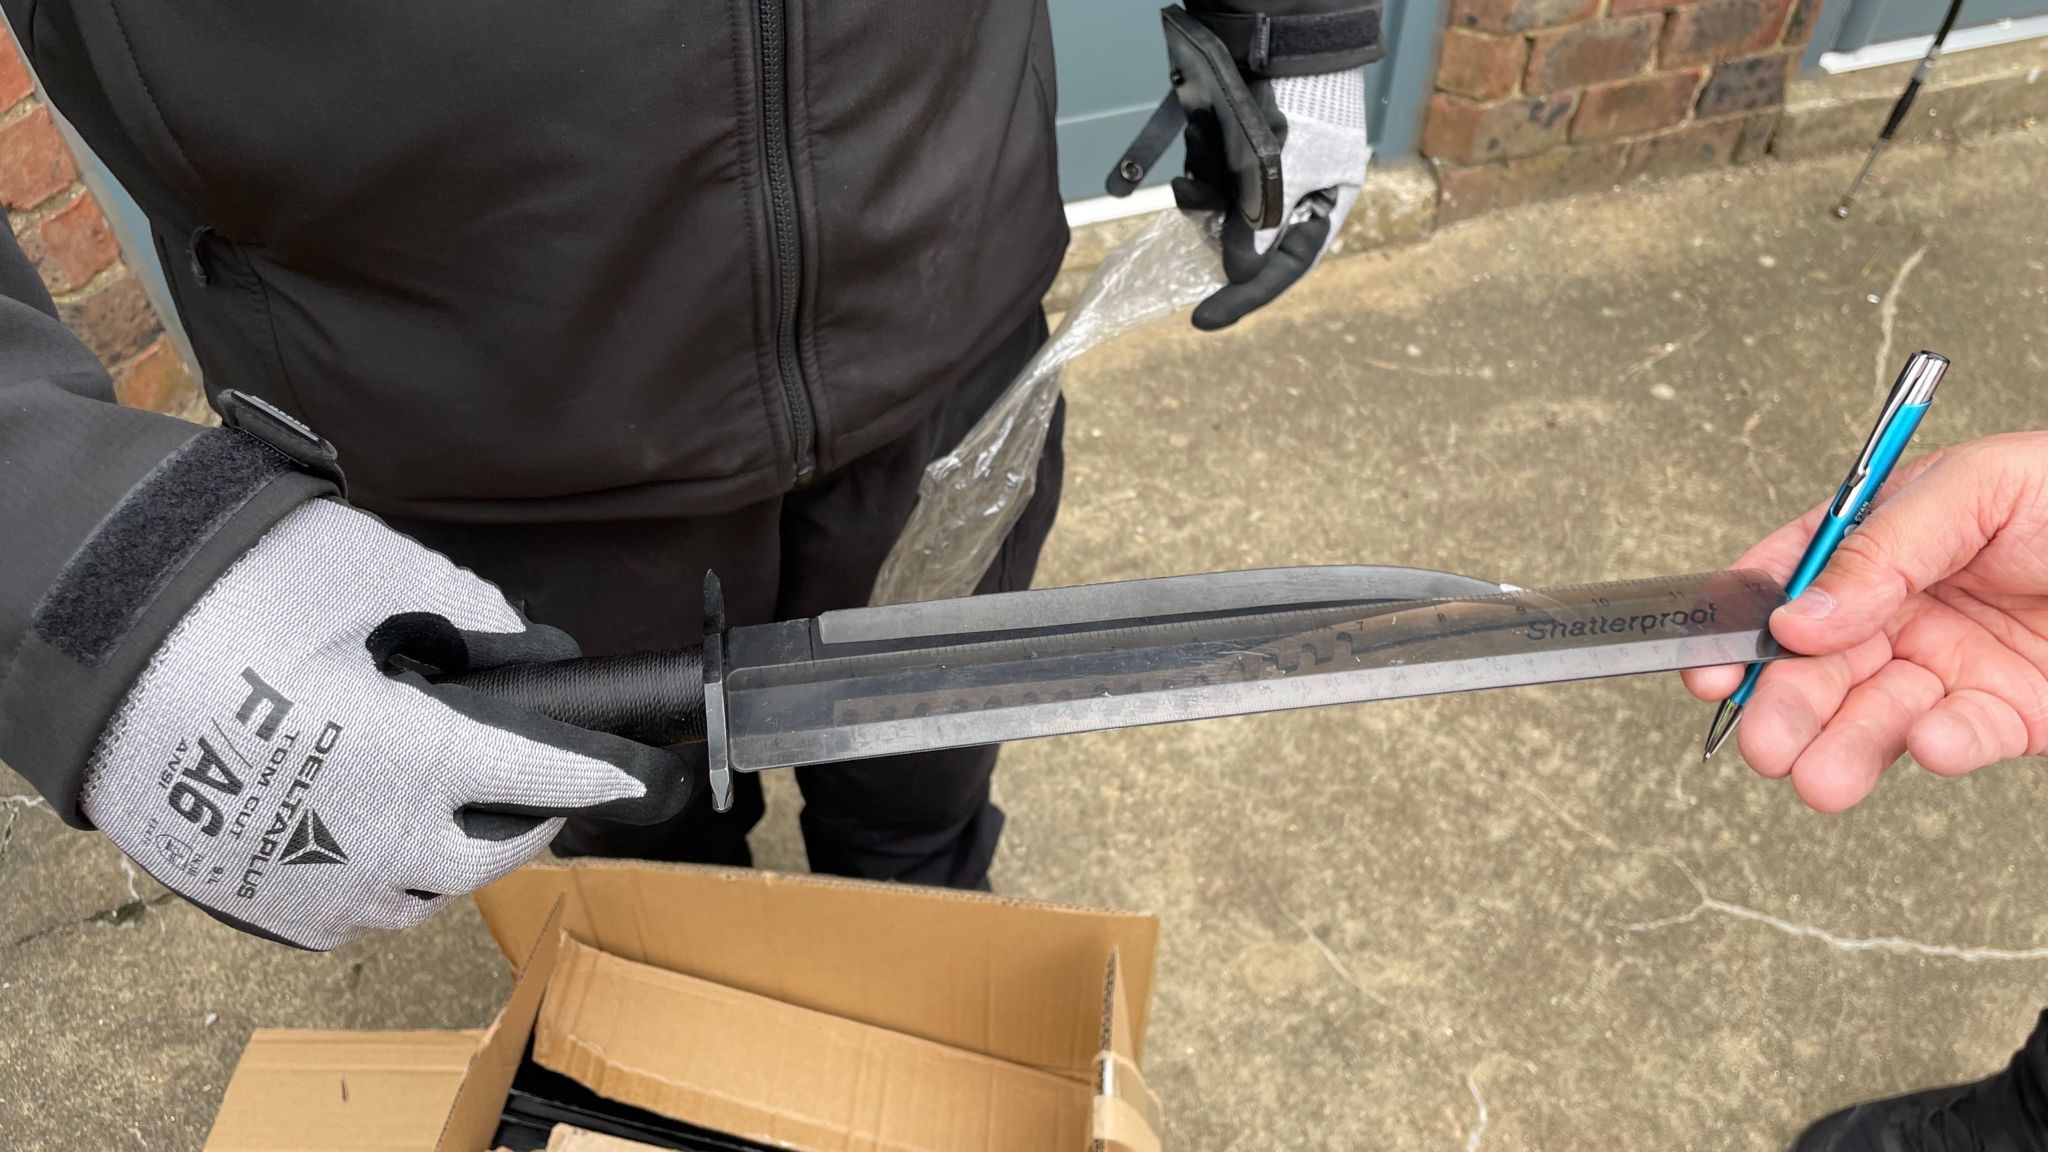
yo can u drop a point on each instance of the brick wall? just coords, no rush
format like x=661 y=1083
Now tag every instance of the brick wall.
x=1539 y=98
x=61 y=228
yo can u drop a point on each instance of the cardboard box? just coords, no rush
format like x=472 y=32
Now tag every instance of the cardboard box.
x=804 y=1012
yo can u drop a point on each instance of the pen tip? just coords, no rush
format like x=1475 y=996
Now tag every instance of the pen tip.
x=1725 y=719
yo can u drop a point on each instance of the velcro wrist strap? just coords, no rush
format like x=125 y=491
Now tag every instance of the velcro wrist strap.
x=1265 y=46
x=124 y=590
x=119 y=571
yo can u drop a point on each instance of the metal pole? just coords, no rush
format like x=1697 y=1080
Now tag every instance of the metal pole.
x=1900 y=109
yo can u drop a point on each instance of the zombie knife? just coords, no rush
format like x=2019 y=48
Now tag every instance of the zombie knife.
x=866 y=682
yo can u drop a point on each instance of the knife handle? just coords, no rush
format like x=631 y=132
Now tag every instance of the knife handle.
x=652 y=697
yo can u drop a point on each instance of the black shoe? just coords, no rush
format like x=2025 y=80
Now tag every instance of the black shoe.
x=2007 y=1112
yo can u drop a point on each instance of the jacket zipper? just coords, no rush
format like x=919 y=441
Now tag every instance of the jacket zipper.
x=787 y=281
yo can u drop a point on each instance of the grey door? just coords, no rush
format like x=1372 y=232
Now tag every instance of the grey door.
x=1112 y=66
x=1846 y=25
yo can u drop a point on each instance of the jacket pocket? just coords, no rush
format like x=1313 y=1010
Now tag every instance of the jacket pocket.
x=219 y=294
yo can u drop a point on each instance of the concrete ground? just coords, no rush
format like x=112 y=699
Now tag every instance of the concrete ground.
x=1524 y=919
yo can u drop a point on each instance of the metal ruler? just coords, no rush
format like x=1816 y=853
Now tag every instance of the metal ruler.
x=982 y=670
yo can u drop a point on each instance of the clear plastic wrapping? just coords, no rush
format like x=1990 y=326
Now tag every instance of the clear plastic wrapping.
x=969 y=498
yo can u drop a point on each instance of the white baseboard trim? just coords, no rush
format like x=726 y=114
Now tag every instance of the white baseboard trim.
x=1081 y=213
x=1899 y=51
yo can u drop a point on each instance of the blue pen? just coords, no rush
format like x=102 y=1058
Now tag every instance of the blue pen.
x=1910 y=397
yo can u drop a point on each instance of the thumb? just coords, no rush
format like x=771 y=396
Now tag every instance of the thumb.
x=1255 y=280
x=1916 y=536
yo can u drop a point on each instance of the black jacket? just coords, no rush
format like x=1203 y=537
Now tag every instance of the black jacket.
x=519 y=262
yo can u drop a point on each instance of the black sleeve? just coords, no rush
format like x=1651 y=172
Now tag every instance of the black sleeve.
x=112 y=520
x=1296 y=37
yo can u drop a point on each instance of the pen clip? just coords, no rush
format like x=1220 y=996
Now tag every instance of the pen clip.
x=1845 y=500
x=1913 y=389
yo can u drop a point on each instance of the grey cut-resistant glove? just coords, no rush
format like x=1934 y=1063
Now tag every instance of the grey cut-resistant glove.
x=1320 y=120
x=275 y=766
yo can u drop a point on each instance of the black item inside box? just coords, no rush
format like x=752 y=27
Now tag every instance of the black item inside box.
x=541 y=1099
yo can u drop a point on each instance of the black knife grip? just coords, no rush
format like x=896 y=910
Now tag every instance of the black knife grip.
x=653 y=697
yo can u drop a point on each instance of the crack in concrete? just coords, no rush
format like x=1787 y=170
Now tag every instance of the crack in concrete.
x=1431 y=371
x=1570 y=821
x=1669 y=349
x=1478 y=1132
x=126 y=912
x=1746 y=439
x=1888 y=316
x=15 y=806
x=1678 y=782
x=1338 y=966
x=1709 y=903
x=1895 y=944
x=1422 y=1030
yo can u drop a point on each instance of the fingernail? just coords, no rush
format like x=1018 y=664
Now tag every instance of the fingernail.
x=1812 y=604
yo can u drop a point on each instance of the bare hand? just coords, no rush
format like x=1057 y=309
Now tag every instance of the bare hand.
x=1927 y=632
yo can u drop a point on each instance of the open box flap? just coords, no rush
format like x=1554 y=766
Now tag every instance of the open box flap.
x=308 y=1091
x=334 y=1091
x=785 y=1076
x=1011 y=979
x=473 y=1117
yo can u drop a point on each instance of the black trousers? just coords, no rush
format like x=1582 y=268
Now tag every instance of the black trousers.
x=620 y=587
